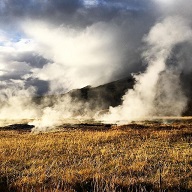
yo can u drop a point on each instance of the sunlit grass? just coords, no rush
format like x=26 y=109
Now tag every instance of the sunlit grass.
x=123 y=158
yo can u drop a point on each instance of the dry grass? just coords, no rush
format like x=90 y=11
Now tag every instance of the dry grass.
x=126 y=158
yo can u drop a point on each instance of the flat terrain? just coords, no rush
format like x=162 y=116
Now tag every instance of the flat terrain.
x=151 y=156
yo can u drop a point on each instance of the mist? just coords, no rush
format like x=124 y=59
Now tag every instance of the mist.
x=16 y=102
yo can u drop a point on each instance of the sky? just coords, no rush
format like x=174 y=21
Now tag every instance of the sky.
x=59 y=45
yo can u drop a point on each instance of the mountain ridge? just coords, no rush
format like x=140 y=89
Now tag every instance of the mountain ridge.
x=110 y=94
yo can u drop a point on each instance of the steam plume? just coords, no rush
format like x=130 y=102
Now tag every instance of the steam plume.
x=141 y=102
x=16 y=101
x=60 y=110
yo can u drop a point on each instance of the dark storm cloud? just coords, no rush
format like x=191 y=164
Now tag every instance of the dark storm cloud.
x=42 y=87
x=33 y=59
x=38 y=7
x=75 y=13
x=56 y=10
x=68 y=11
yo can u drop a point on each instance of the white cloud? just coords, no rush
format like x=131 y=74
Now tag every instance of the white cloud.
x=168 y=2
x=3 y=37
x=80 y=57
x=90 y=3
x=9 y=50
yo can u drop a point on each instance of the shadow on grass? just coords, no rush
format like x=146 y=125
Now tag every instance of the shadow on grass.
x=93 y=185
x=4 y=185
x=17 y=127
x=90 y=185
x=87 y=127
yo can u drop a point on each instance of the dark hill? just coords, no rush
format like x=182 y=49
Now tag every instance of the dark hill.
x=110 y=94
x=103 y=96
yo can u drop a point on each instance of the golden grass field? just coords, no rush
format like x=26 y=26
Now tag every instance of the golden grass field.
x=135 y=157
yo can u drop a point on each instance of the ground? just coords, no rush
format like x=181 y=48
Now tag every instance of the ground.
x=147 y=156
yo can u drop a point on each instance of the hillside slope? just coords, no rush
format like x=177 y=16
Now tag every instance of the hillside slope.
x=104 y=96
x=110 y=94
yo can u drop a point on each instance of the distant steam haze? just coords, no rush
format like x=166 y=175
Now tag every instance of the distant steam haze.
x=63 y=110
x=16 y=102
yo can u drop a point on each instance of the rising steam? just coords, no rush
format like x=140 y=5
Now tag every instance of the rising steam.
x=157 y=91
x=16 y=101
x=60 y=110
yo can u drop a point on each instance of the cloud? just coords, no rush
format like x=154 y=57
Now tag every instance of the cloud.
x=71 y=12
x=9 y=51
x=17 y=59
x=80 y=57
